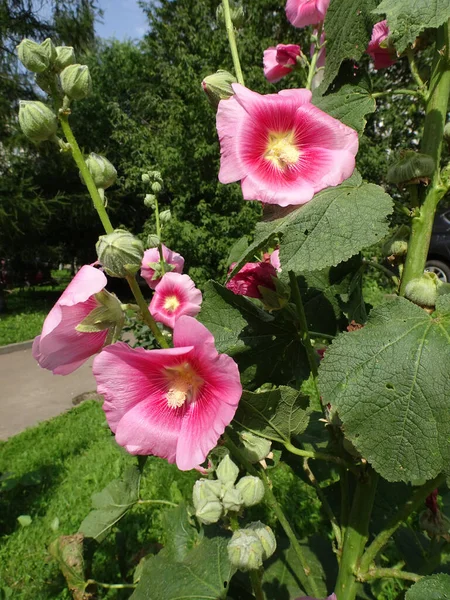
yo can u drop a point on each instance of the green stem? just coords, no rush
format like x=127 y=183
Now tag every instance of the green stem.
x=399 y=92
x=356 y=536
x=435 y=118
x=158 y=233
x=308 y=583
x=345 y=505
x=112 y=586
x=383 y=269
x=256 y=579
x=314 y=59
x=145 y=313
x=417 y=500
x=79 y=160
x=320 y=456
x=414 y=70
x=232 y=41
x=392 y=573
x=166 y=502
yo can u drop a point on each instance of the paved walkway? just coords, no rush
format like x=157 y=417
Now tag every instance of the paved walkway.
x=29 y=394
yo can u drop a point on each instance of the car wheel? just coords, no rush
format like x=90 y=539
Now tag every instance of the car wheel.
x=441 y=269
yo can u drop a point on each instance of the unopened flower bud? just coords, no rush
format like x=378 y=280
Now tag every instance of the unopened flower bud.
x=227 y=471
x=76 y=81
x=120 y=253
x=50 y=50
x=245 y=550
x=265 y=536
x=423 y=290
x=399 y=248
x=33 y=56
x=217 y=87
x=232 y=499
x=103 y=172
x=156 y=187
x=165 y=216
x=150 y=201
x=65 y=56
x=209 y=511
x=153 y=240
x=236 y=12
x=205 y=489
x=145 y=178
x=413 y=167
x=255 y=448
x=252 y=490
x=37 y=121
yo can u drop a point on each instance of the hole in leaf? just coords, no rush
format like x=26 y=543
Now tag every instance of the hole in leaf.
x=389 y=386
x=306 y=231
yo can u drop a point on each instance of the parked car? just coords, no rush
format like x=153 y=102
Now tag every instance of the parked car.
x=439 y=254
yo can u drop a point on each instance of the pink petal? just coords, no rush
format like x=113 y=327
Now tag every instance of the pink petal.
x=273 y=71
x=271 y=192
x=228 y=120
x=152 y=256
x=183 y=289
x=317 y=129
x=190 y=332
x=302 y=13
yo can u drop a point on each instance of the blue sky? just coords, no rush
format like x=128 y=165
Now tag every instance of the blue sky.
x=122 y=19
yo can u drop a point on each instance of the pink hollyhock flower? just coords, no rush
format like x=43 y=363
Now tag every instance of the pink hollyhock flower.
x=248 y=280
x=150 y=262
x=172 y=403
x=306 y=12
x=280 y=61
x=382 y=55
x=275 y=259
x=175 y=295
x=60 y=347
x=281 y=147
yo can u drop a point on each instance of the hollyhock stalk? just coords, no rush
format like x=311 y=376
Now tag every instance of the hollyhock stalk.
x=232 y=41
x=315 y=57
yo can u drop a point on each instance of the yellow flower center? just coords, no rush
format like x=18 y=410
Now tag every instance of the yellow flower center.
x=184 y=383
x=171 y=303
x=282 y=149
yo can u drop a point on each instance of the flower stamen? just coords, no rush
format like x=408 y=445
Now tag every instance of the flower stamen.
x=282 y=150
x=184 y=384
x=171 y=303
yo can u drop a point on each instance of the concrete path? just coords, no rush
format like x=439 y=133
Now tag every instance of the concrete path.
x=29 y=394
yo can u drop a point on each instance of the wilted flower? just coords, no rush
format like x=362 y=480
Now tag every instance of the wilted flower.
x=279 y=61
x=382 y=53
x=281 y=147
x=150 y=263
x=250 y=278
x=172 y=403
x=63 y=346
x=175 y=295
x=306 y=12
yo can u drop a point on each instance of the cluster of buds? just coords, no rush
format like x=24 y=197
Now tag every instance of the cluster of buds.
x=214 y=498
x=155 y=181
x=249 y=547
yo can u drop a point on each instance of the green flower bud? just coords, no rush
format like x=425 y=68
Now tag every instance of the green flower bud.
x=209 y=511
x=399 y=248
x=423 y=290
x=37 y=121
x=205 y=489
x=156 y=187
x=150 y=201
x=65 y=56
x=217 y=87
x=245 y=550
x=236 y=12
x=76 y=81
x=50 y=50
x=165 y=216
x=411 y=168
x=103 y=172
x=232 y=499
x=120 y=253
x=265 y=536
x=153 y=241
x=255 y=448
x=33 y=56
x=227 y=471
x=145 y=178
x=252 y=490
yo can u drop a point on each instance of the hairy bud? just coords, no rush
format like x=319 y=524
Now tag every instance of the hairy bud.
x=227 y=471
x=120 y=253
x=255 y=448
x=245 y=550
x=76 y=81
x=156 y=187
x=423 y=290
x=165 y=216
x=150 y=202
x=232 y=499
x=265 y=536
x=50 y=50
x=103 y=172
x=34 y=57
x=205 y=489
x=209 y=511
x=65 y=56
x=252 y=490
x=236 y=12
x=217 y=87
x=37 y=121
x=153 y=240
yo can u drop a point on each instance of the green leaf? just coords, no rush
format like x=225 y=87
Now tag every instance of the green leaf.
x=350 y=105
x=67 y=550
x=338 y=223
x=237 y=250
x=348 y=24
x=265 y=346
x=24 y=520
x=435 y=587
x=111 y=504
x=408 y=18
x=204 y=574
x=387 y=383
x=275 y=415
x=180 y=534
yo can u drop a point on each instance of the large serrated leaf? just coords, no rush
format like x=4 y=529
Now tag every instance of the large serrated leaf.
x=435 y=587
x=408 y=18
x=276 y=415
x=111 y=504
x=180 y=534
x=337 y=224
x=204 y=574
x=350 y=105
x=348 y=24
x=390 y=384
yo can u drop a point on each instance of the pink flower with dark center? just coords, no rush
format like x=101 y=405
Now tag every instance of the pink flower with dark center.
x=60 y=347
x=306 y=12
x=175 y=295
x=281 y=147
x=150 y=262
x=172 y=403
x=383 y=56
x=280 y=61
x=248 y=280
